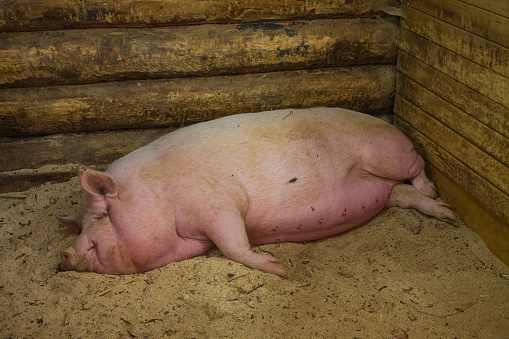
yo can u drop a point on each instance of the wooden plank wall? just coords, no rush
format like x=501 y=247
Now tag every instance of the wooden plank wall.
x=453 y=101
x=128 y=68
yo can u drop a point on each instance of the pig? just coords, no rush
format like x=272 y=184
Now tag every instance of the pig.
x=290 y=175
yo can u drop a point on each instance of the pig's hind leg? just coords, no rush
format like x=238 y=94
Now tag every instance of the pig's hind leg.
x=405 y=164
x=421 y=181
x=393 y=157
x=229 y=235
x=408 y=196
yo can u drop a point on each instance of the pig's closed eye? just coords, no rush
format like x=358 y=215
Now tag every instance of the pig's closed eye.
x=93 y=245
x=100 y=216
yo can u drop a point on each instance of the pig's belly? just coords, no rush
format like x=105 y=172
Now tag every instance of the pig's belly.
x=318 y=215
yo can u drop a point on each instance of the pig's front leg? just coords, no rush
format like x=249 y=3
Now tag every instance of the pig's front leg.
x=229 y=234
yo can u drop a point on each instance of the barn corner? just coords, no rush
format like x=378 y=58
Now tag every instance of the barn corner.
x=452 y=100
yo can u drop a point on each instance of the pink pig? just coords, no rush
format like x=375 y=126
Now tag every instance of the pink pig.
x=242 y=180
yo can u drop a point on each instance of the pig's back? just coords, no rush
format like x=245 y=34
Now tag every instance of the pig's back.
x=289 y=171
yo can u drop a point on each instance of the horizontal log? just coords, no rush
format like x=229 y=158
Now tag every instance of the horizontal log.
x=174 y=102
x=465 y=98
x=469 y=181
x=478 y=78
x=16 y=15
x=489 y=25
x=476 y=159
x=99 y=148
x=473 y=47
x=29 y=59
x=22 y=180
x=493 y=143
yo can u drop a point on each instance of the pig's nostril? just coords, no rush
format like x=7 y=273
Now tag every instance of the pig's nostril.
x=64 y=255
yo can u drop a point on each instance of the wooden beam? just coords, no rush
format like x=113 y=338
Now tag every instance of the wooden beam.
x=174 y=102
x=18 y=15
x=22 y=180
x=99 y=148
x=30 y=59
x=32 y=161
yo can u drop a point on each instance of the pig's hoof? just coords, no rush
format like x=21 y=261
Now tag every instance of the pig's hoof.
x=267 y=264
x=271 y=267
x=280 y=272
x=444 y=212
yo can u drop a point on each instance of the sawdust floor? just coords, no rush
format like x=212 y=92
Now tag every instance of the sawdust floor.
x=378 y=281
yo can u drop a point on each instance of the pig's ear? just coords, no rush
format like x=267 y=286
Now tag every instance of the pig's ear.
x=97 y=183
x=72 y=224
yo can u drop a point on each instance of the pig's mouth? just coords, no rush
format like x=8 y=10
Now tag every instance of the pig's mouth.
x=77 y=261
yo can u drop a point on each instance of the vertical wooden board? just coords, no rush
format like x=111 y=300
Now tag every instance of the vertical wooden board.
x=493 y=231
x=495 y=144
x=466 y=99
x=486 y=24
x=452 y=102
x=473 y=47
x=476 y=159
x=481 y=79
x=490 y=196
x=500 y=7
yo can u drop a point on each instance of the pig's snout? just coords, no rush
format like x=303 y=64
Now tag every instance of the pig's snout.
x=66 y=257
x=72 y=261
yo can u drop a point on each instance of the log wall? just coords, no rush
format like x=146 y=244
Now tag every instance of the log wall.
x=43 y=15
x=88 y=81
x=453 y=101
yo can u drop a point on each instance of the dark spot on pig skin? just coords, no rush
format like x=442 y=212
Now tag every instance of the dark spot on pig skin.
x=111 y=252
x=292 y=180
x=312 y=209
x=320 y=221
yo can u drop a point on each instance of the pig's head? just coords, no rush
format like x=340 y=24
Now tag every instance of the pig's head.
x=97 y=248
